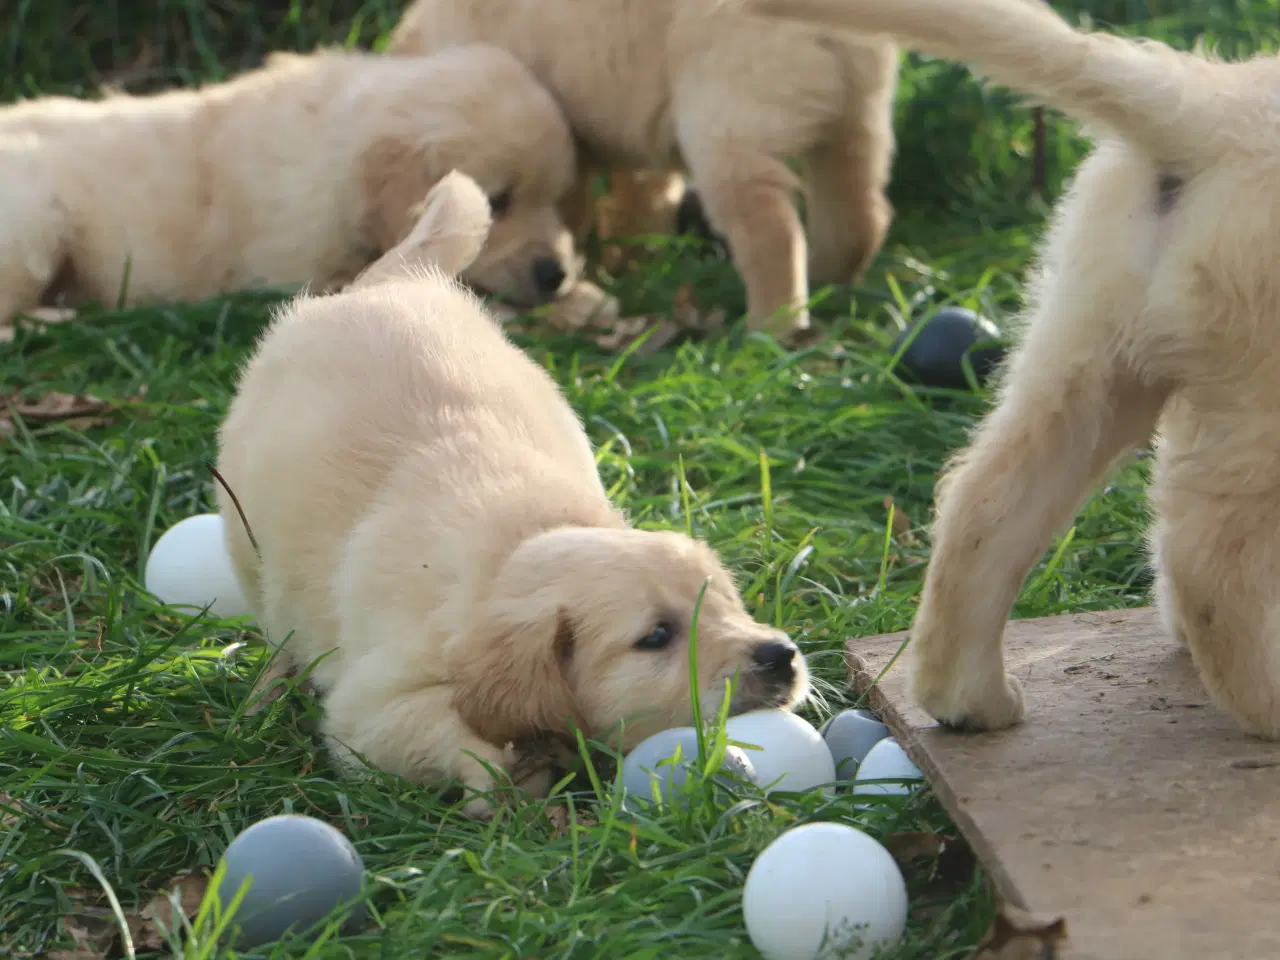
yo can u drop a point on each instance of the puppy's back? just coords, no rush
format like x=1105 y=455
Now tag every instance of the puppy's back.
x=340 y=393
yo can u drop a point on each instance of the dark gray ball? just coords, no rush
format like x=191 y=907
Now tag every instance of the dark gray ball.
x=644 y=765
x=933 y=358
x=850 y=735
x=302 y=869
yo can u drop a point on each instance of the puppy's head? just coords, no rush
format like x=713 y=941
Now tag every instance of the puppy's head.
x=592 y=626
x=493 y=122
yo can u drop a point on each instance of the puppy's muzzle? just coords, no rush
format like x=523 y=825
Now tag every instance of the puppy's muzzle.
x=548 y=276
x=775 y=661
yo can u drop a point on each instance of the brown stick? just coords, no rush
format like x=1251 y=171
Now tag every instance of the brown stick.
x=236 y=500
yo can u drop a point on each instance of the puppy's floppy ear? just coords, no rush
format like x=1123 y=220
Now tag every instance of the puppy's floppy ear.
x=511 y=683
x=395 y=176
x=453 y=224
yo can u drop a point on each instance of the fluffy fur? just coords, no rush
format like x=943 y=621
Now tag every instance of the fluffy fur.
x=667 y=85
x=1155 y=308
x=430 y=517
x=298 y=173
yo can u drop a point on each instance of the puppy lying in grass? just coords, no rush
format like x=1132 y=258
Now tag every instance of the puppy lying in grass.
x=699 y=84
x=427 y=512
x=299 y=173
x=1156 y=308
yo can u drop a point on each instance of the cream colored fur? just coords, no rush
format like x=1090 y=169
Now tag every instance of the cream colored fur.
x=430 y=517
x=298 y=173
x=667 y=85
x=1155 y=308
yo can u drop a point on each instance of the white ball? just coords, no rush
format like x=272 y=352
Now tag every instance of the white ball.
x=887 y=760
x=792 y=755
x=819 y=890
x=189 y=567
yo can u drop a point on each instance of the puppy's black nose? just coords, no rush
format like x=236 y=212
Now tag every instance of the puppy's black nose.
x=547 y=275
x=777 y=659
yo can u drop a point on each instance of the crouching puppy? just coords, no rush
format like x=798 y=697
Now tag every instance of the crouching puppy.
x=300 y=173
x=430 y=521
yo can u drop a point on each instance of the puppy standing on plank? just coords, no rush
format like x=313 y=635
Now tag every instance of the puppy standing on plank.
x=697 y=84
x=1156 y=306
x=428 y=513
x=298 y=173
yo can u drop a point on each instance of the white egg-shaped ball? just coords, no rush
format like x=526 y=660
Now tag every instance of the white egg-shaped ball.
x=189 y=567
x=652 y=762
x=786 y=752
x=850 y=735
x=824 y=890
x=887 y=761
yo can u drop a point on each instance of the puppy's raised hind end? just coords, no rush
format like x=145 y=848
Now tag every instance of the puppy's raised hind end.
x=451 y=229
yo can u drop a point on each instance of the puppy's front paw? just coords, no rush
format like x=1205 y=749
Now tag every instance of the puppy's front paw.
x=992 y=705
x=478 y=808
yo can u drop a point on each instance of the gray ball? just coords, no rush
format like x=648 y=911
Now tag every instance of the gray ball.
x=644 y=765
x=302 y=869
x=850 y=735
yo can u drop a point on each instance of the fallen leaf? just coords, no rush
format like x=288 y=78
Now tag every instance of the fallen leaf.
x=1016 y=934
x=908 y=847
x=558 y=816
x=901 y=523
x=8 y=809
x=95 y=933
x=57 y=406
x=180 y=898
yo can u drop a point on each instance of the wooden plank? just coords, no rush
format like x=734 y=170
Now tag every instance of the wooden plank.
x=1127 y=802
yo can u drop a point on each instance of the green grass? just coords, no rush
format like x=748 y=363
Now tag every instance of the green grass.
x=122 y=734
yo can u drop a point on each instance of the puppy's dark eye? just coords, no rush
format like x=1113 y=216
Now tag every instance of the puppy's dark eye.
x=659 y=638
x=500 y=203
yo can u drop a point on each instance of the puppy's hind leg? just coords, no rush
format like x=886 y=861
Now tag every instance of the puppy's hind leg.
x=1070 y=406
x=451 y=230
x=848 y=213
x=1219 y=564
x=1063 y=420
x=747 y=195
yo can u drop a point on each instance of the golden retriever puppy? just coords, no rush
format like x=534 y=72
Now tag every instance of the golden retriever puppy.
x=298 y=173
x=699 y=85
x=429 y=523
x=1155 y=309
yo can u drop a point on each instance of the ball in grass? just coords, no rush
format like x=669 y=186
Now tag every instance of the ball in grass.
x=824 y=890
x=786 y=751
x=887 y=761
x=654 y=763
x=189 y=567
x=850 y=735
x=933 y=357
x=302 y=870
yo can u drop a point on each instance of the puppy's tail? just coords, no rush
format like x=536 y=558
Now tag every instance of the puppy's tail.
x=451 y=230
x=1143 y=91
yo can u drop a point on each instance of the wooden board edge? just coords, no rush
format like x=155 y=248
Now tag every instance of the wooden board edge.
x=862 y=677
